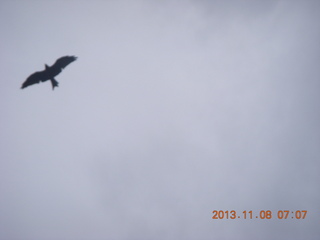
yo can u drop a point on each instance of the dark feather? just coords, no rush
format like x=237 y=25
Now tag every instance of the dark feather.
x=35 y=78
x=49 y=73
x=64 y=61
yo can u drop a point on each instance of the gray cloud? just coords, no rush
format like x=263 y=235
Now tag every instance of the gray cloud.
x=171 y=111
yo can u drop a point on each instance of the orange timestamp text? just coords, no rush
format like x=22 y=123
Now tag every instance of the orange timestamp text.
x=263 y=214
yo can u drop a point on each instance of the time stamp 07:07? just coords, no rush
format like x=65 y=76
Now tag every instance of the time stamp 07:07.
x=263 y=214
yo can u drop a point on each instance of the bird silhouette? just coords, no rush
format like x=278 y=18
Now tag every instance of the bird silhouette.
x=49 y=73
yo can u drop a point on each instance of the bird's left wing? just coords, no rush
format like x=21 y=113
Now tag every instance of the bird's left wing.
x=34 y=78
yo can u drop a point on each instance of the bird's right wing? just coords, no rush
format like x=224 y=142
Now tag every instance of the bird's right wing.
x=63 y=62
x=34 y=78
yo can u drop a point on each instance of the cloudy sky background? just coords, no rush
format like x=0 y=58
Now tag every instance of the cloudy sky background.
x=172 y=110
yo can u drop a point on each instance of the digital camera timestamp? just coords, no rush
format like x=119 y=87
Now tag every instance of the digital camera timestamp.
x=263 y=214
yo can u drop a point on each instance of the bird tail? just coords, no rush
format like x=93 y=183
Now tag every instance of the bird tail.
x=54 y=83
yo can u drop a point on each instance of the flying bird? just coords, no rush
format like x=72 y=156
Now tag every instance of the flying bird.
x=49 y=73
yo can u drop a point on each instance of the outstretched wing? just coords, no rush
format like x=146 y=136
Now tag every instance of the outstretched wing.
x=49 y=72
x=63 y=62
x=35 y=78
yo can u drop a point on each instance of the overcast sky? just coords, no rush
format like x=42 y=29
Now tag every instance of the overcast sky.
x=173 y=109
